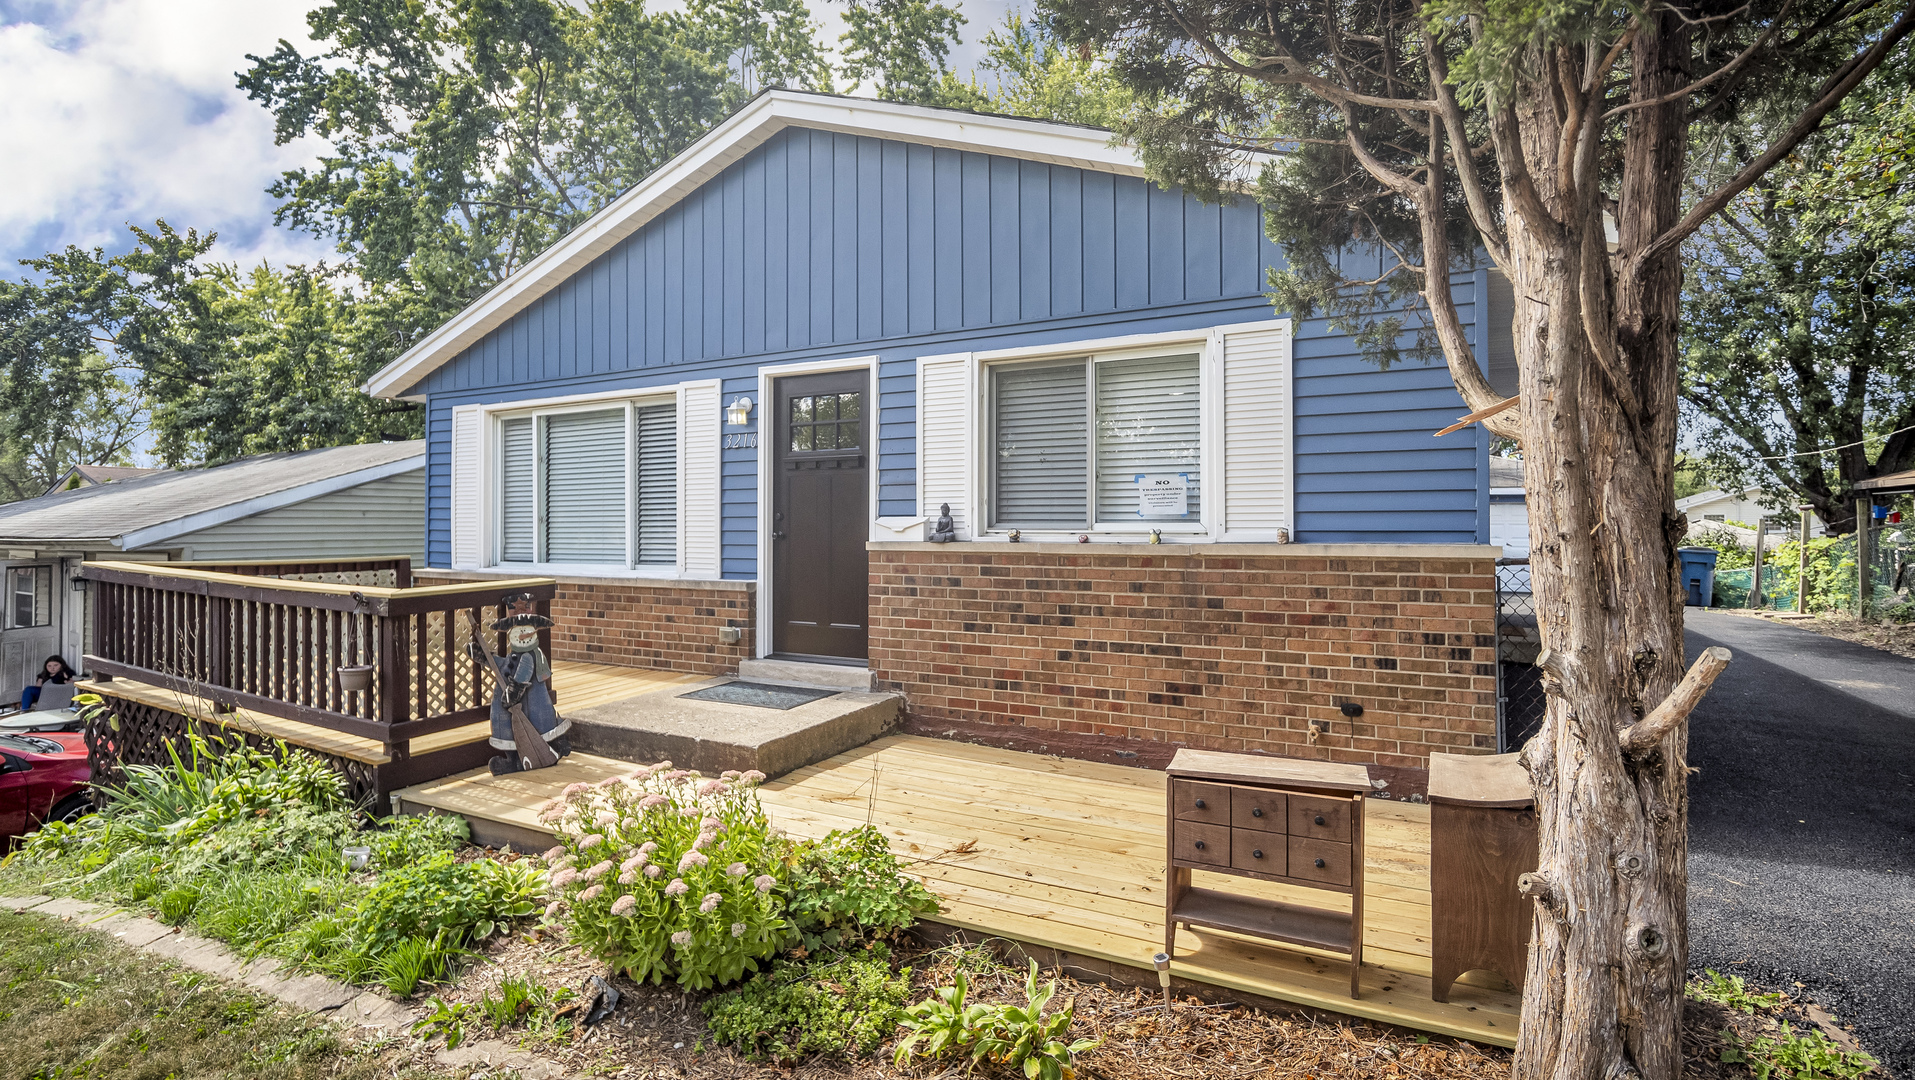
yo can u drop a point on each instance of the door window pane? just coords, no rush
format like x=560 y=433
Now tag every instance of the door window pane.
x=585 y=487
x=30 y=597
x=1040 y=467
x=1148 y=424
x=827 y=421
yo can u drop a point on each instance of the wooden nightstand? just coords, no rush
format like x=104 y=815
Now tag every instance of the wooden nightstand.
x=1274 y=819
x=1482 y=838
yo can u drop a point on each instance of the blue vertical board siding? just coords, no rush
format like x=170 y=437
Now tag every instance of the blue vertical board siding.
x=821 y=245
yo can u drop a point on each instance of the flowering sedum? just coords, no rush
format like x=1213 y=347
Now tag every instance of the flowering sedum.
x=708 y=923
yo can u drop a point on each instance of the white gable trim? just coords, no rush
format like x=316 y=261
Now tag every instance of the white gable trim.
x=206 y=519
x=752 y=126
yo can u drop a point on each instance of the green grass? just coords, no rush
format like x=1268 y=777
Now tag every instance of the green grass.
x=76 y=1004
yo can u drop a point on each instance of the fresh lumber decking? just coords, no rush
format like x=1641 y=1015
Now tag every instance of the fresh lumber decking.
x=1070 y=855
x=578 y=686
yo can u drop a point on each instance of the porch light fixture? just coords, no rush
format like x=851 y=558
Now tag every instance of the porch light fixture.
x=738 y=413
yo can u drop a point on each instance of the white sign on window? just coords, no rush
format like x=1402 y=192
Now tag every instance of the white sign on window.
x=1163 y=495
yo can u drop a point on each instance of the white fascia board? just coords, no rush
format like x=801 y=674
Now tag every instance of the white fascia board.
x=206 y=519
x=746 y=130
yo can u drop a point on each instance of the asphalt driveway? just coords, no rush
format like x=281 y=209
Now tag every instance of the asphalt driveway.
x=1802 y=823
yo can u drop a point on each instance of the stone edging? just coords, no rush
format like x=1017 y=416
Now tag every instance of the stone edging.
x=362 y=1012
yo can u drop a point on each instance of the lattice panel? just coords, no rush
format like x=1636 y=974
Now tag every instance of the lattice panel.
x=146 y=733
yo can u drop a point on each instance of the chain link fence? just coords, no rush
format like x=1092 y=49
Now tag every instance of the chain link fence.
x=1828 y=571
x=1519 y=684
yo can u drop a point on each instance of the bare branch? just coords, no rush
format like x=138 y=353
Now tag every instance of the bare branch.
x=1838 y=87
x=1467 y=173
x=1718 y=73
x=1646 y=734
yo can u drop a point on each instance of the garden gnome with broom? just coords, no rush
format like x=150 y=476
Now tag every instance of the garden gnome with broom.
x=525 y=723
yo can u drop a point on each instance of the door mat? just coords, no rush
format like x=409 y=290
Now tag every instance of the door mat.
x=762 y=695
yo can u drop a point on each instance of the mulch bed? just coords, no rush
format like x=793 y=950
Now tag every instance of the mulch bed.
x=1883 y=634
x=659 y=1032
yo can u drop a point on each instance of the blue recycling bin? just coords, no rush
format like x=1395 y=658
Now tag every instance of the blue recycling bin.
x=1698 y=574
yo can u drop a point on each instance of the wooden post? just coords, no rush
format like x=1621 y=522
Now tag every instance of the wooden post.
x=395 y=681
x=1755 y=577
x=1802 y=570
x=1864 y=572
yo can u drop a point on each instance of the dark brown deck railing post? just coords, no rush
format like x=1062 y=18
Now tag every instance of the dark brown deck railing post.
x=395 y=681
x=218 y=647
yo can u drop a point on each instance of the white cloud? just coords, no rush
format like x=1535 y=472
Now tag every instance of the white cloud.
x=118 y=111
x=123 y=111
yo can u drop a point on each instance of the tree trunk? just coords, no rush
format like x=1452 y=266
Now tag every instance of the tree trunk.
x=1597 y=347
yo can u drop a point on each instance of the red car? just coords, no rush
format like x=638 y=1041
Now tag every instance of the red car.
x=43 y=777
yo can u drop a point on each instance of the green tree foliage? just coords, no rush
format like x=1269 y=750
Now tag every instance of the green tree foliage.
x=1038 y=76
x=216 y=363
x=900 y=47
x=464 y=138
x=1799 y=312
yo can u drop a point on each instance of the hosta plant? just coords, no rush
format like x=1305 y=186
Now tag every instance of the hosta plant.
x=666 y=874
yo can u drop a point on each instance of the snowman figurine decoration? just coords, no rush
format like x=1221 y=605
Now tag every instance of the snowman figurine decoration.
x=526 y=725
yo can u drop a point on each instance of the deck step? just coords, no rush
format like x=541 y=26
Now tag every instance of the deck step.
x=805 y=673
x=713 y=736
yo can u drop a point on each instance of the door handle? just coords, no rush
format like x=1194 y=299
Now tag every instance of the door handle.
x=776 y=535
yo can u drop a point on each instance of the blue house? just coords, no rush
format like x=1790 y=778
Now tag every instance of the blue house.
x=727 y=410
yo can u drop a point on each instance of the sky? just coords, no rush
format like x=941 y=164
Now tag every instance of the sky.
x=123 y=111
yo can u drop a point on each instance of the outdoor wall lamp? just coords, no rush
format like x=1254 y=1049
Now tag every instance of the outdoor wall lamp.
x=738 y=413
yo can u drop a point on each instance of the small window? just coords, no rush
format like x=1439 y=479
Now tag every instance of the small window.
x=1715 y=517
x=590 y=486
x=826 y=421
x=1097 y=443
x=30 y=597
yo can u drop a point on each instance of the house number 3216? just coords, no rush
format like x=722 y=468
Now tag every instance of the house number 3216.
x=744 y=440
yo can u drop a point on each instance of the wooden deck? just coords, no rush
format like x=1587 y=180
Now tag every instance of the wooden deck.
x=578 y=686
x=1070 y=855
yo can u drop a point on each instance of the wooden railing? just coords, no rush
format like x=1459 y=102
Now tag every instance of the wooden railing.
x=393 y=573
x=276 y=645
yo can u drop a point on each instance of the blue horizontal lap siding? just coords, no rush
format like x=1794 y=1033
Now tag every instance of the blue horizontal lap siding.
x=822 y=246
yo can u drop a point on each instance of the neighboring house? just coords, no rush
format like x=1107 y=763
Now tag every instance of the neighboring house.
x=81 y=476
x=340 y=503
x=725 y=413
x=1508 y=507
x=1718 y=508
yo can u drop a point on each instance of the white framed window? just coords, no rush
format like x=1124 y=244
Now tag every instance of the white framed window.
x=1188 y=434
x=593 y=484
x=29 y=597
x=1109 y=442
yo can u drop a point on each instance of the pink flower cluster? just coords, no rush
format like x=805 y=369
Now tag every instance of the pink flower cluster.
x=677 y=887
x=710 y=903
x=764 y=882
x=625 y=905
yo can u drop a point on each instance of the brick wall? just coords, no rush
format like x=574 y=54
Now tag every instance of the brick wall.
x=666 y=625
x=1228 y=647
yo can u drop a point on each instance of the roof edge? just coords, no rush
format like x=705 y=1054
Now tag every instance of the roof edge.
x=259 y=504
x=744 y=131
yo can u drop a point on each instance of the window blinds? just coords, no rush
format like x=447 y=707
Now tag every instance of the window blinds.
x=518 y=541
x=585 y=459
x=1148 y=421
x=656 y=435
x=1041 y=470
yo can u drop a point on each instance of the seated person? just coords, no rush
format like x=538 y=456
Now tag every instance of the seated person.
x=57 y=671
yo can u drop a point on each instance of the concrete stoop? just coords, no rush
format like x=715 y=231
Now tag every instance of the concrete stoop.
x=713 y=736
x=365 y=1014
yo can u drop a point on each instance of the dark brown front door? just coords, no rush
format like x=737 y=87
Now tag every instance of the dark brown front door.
x=821 y=509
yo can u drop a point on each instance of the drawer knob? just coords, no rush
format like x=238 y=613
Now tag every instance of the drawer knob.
x=1200 y=804
x=1256 y=811
x=1319 y=862
x=1319 y=818
x=1200 y=845
x=1257 y=854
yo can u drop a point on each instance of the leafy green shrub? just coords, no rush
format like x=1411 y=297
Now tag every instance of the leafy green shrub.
x=842 y=1005
x=1018 y=1036
x=296 y=836
x=413 y=838
x=666 y=874
x=1808 y=1056
x=1731 y=992
x=849 y=887
x=461 y=901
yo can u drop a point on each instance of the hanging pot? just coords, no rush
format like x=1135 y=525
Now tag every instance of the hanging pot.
x=355 y=677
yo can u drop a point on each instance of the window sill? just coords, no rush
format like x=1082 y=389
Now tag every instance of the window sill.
x=598 y=575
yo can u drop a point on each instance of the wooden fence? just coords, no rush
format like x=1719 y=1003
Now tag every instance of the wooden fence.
x=276 y=645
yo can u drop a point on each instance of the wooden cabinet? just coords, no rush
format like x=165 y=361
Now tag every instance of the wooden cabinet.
x=1272 y=819
x=1482 y=838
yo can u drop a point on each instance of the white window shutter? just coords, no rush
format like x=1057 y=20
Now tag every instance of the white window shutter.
x=1258 y=474
x=700 y=477
x=468 y=487
x=946 y=411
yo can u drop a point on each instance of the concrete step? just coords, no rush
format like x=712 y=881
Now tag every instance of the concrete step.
x=804 y=673
x=713 y=736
